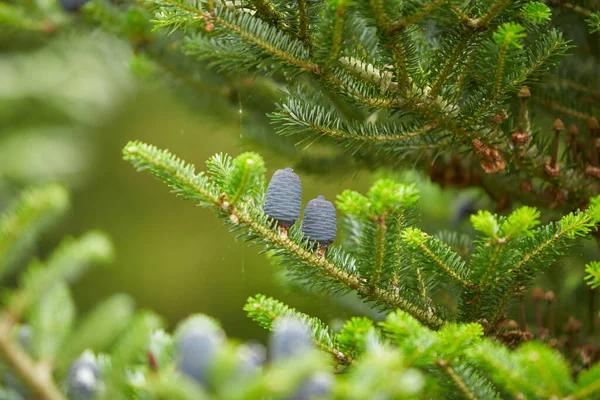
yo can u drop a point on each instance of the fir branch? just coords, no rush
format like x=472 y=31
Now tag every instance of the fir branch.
x=499 y=361
x=65 y=264
x=547 y=49
x=37 y=376
x=587 y=383
x=256 y=32
x=492 y=12
x=554 y=106
x=329 y=35
x=570 y=6
x=337 y=273
x=482 y=22
x=422 y=284
x=266 y=11
x=426 y=9
x=181 y=178
x=394 y=40
x=377 y=266
x=436 y=254
x=265 y=310
x=173 y=171
x=303 y=23
x=253 y=31
x=543 y=244
x=370 y=73
x=451 y=61
x=34 y=210
x=297 y=116
x=462 y=387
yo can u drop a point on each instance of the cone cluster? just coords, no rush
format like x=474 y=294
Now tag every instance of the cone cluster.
x=283 y=203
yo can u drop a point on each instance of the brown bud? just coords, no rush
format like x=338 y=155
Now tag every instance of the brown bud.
x=520 y=138
x=537 y=293
x=549 y=296
x=572 y=133
x=592 y=124
x=550 y=170
x=572 y=325
x=491 y=159
x=592 y=171
x=524 y=93
x=558 y=125
x=512 y=324
x=526 y=187
x=496 y=119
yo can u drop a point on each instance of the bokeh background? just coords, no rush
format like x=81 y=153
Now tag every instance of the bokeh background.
x=68 y=107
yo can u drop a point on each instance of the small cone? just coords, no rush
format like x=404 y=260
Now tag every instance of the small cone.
x=558 y=125
x=319 y=221
x=290 y=338
x=284 y=197
x=524 y=93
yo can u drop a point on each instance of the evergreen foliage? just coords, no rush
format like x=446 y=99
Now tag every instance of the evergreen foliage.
x=464 y=91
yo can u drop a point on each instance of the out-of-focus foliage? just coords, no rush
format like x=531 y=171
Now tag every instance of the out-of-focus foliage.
x=51 y=99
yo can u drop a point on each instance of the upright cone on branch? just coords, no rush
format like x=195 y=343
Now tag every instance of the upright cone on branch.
x=284 y=198
x=319 y=221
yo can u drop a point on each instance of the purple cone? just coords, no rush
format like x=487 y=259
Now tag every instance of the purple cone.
x=284 y=197
x=319 y=222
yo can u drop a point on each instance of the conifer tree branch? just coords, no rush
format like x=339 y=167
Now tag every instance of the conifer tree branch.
x=258 y=41
x=462 y=387
x=500 y=69
x=422 y=285
x=554 y=106
x=303 y=23
x=511 y=375
x=579 y=225
x=417 y=16
x=35 y=208
x=493 y=11
x=557 y=47
x=483 y=21
x=450 y=63
x=377 y=267
x=464 y=17
x=182 y=179
x=267 y=12
x=577 y=86
x=433 y=258
x=386 y=27
x=230 y=20
x=255 y=304
x=36 y=376
x=484 y=283
x=583 y=224
x=336 y=272
x=295 y=114
x=585 y=392
x=570 y=6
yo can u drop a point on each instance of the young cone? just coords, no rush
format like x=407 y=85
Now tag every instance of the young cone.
x=84 y=380
x=284 y=198
x=197 y=346
x=319 y=222
x=290 y=338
